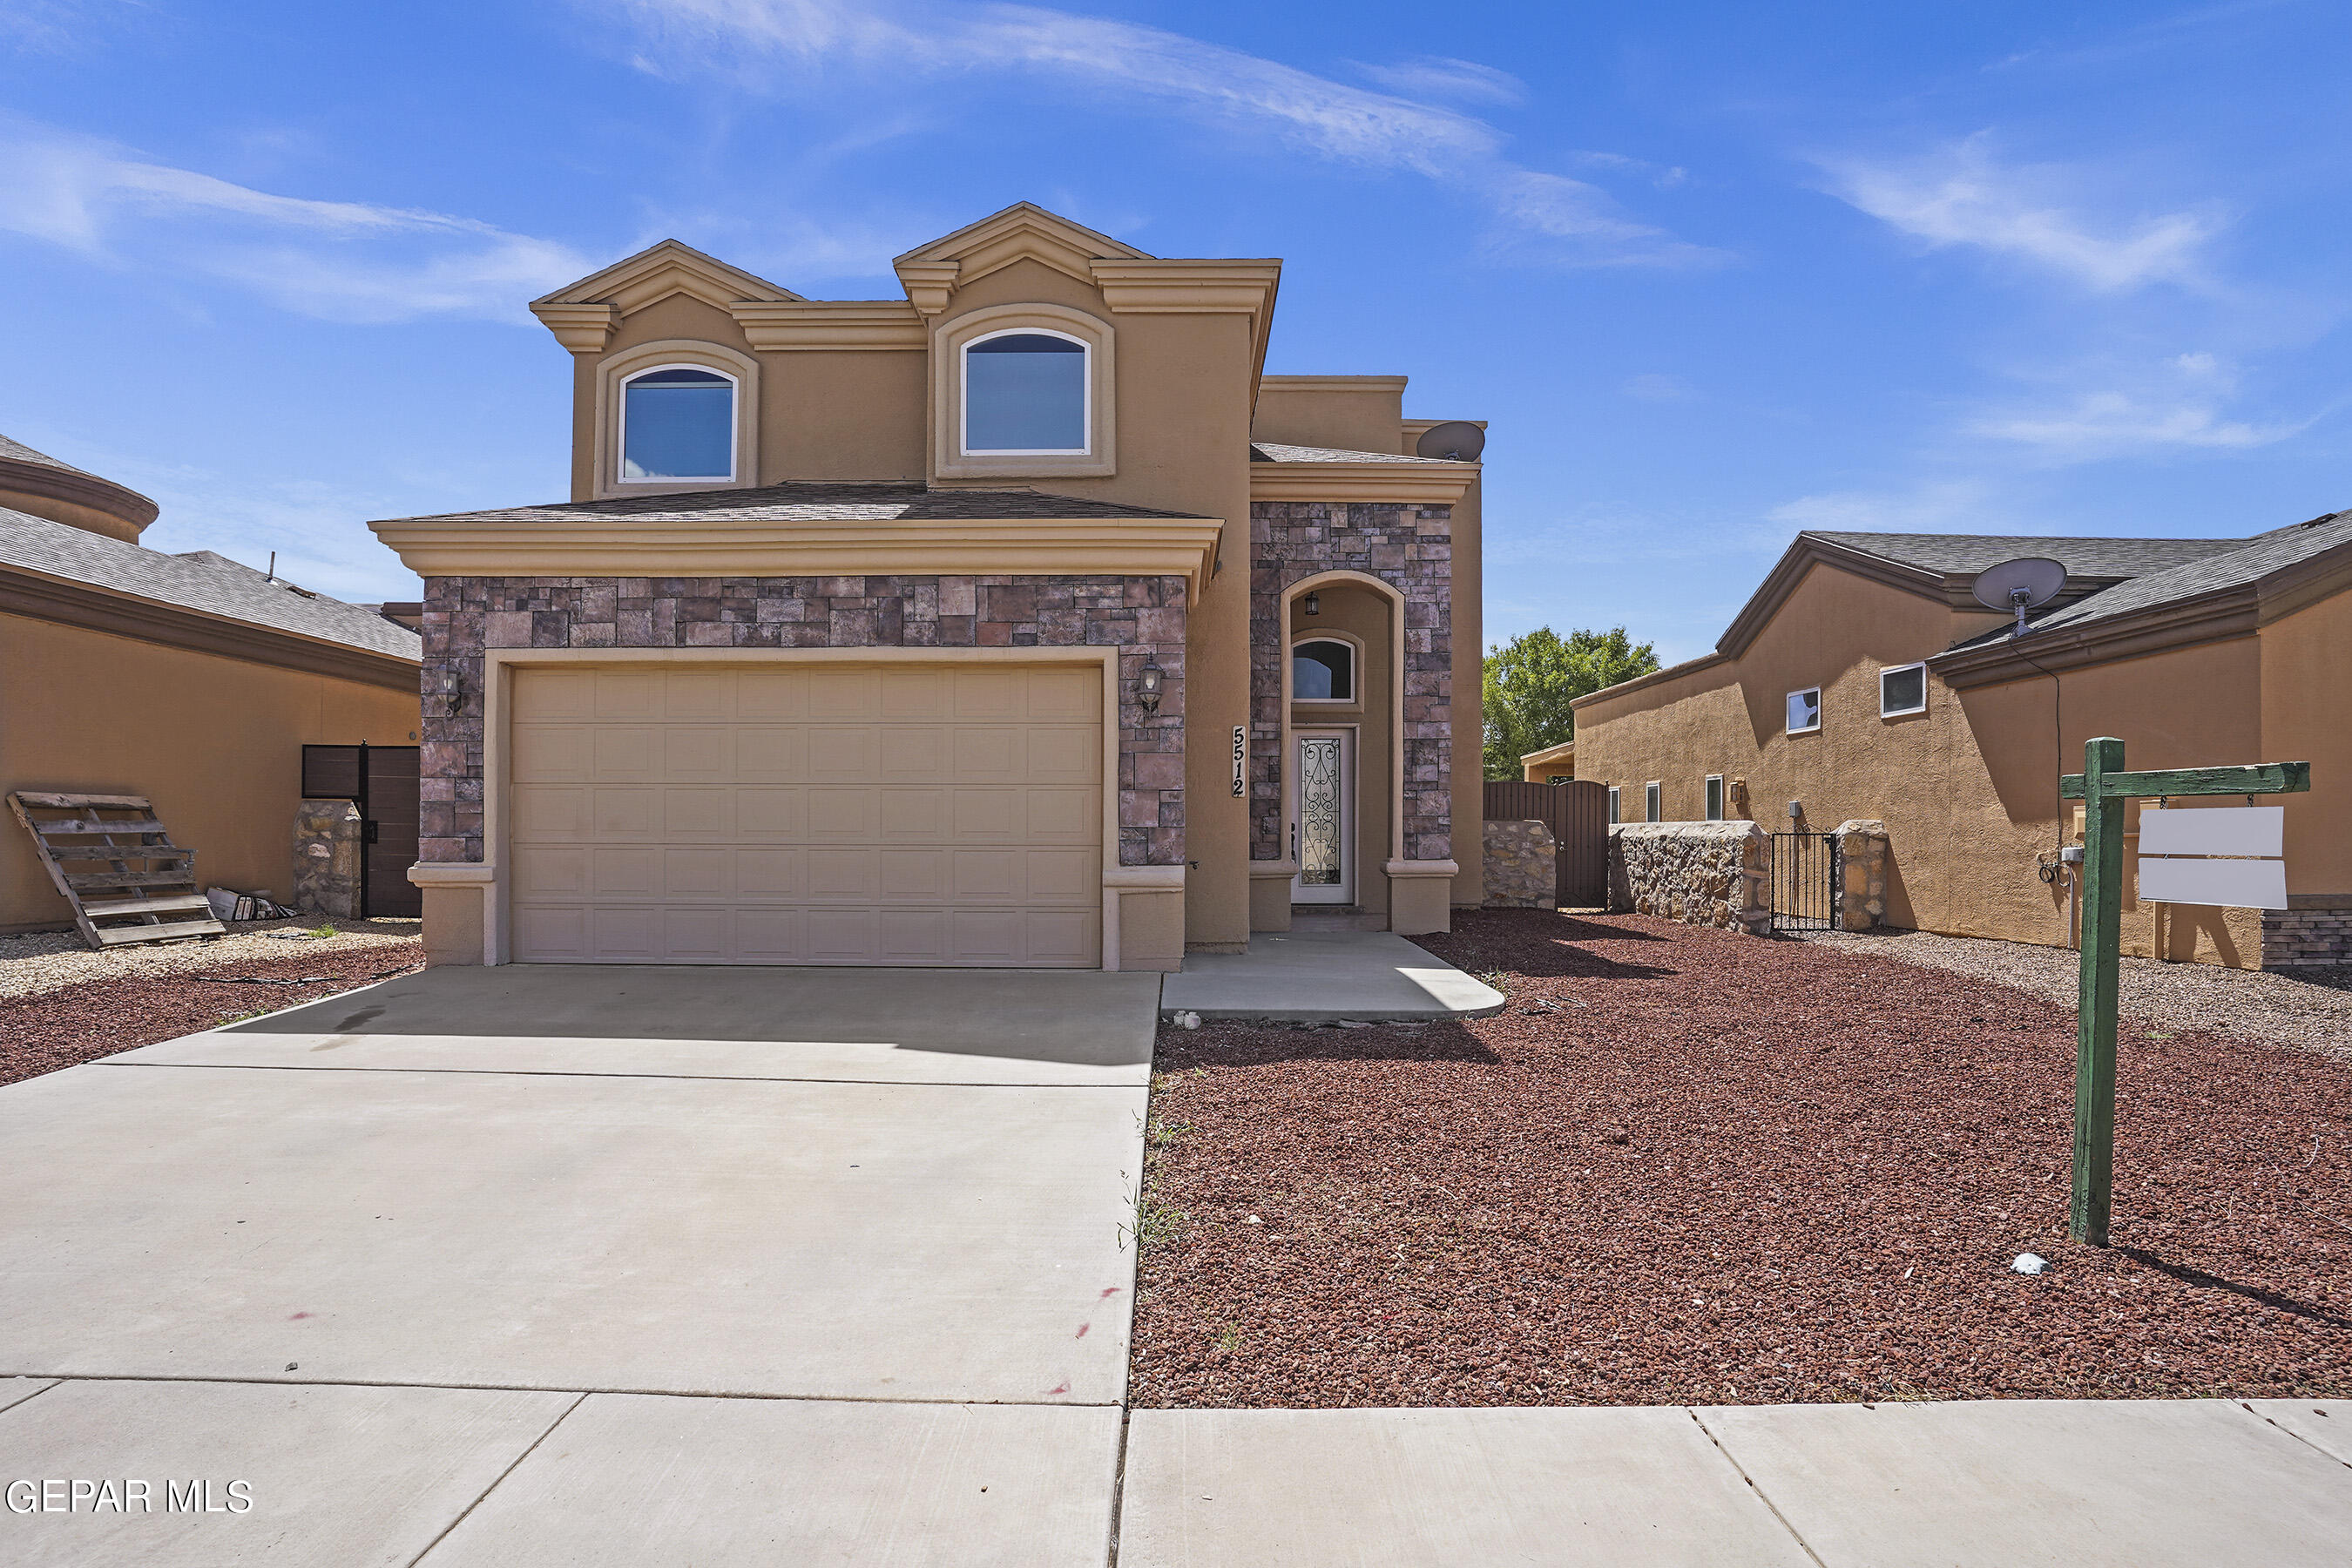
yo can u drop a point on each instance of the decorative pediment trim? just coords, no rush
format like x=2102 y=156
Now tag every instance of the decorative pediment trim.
x=1393 y=484
x=631 y=284
x=1187 y=287
x=635 y=546
x=1022 y=232
x=810 y=325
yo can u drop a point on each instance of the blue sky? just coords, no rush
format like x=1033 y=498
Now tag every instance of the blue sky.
x=1715 y=272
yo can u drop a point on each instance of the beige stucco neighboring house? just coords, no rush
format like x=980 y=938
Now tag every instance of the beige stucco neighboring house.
x=1864 y=680
x=1552 y=764
x=190 y=679
x=1019 y=620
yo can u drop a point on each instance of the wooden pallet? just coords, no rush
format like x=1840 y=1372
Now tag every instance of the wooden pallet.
x=126 y=880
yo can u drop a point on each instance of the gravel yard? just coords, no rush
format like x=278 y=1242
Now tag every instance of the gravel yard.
x=1689 y=1166
x=161 y=997
x=51 y=960
x=2311 y=1009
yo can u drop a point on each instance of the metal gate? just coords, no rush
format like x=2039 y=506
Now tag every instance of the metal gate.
x=1578 y=814
x=1804 y=881
x=382 y=781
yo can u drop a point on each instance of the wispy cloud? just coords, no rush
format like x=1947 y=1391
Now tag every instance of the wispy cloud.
x=1962 y=195
x=1954 y=506
x=338 y=261
x=754 y=41
x=1436 y=76
x=2112 y=424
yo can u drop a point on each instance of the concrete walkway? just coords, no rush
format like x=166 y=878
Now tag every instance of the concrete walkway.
x=1327 y=977
x=537 y=1266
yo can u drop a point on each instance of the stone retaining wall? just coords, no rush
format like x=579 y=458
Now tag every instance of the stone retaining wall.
x=1522 y=864
x=2293 y=938
x=326 y=837
x=1700 y=873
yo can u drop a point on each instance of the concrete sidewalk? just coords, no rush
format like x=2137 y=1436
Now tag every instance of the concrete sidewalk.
x=1998 y=1484
x=1327 y=977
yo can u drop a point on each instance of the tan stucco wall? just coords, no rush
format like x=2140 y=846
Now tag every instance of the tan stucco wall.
x=1968 y=790
x=1366 y=615
x=1355 y=414
x=215 y=743
x=2307 y=658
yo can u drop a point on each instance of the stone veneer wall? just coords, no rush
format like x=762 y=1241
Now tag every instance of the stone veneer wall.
x=1701 y=873
x=1862 y=855
x=326 y=839
x=1143 y=616
x=2293 y=938
x=1409 y=547
x=1522 y=866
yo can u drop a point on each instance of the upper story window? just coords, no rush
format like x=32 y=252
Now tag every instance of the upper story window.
x=1901 y=690
x=677 y=422
x=1805 y=710
x=1323 y=670
x=1026 y=394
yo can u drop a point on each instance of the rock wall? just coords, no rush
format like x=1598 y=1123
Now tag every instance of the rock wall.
x=327 y=835
x=1862 y=855
x=1522 y=866
x=2293 y=938
x=1700 y=873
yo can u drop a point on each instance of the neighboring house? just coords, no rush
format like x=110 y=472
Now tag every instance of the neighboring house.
x=1022 y=621
x=189 y=679
x=1553 y=764
x=1864 y=680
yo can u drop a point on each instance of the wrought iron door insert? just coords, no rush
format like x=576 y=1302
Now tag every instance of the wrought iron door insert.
x=1324 y=818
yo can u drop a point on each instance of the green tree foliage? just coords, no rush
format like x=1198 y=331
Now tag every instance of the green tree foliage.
x=1529 y=682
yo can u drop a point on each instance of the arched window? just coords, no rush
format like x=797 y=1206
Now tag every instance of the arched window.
x=677 y=422
x=1025 y=394
x=1323 y=670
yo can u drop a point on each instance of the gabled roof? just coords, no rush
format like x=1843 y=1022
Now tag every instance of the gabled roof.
x=662 y=268
x=34 y=550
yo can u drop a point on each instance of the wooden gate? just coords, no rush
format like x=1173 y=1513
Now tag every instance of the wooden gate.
x=1577 y=815
x=382 y=782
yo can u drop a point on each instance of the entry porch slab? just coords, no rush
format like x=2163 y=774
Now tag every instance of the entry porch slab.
x=1327 y=977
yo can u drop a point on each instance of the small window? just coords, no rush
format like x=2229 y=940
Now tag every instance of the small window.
x=1615 y=810
x=1024 y=394
x=1323 y=671
x=1805 y=710
x=1901 y=690
x=1650 y=802
x=678 y=423
x=1714 y=797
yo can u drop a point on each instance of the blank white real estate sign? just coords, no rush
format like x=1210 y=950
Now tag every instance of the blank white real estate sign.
x=2214 y=830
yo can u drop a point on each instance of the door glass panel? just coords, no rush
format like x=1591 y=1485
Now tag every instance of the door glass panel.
x=1319 y=811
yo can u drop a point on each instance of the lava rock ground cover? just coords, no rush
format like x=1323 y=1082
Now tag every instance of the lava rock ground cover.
x=76 y=1023
x=1691 y=1166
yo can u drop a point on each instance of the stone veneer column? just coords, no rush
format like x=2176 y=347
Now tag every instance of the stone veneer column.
x=1410 y=548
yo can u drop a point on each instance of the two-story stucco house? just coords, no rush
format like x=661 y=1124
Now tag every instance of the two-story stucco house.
x=1020 y=621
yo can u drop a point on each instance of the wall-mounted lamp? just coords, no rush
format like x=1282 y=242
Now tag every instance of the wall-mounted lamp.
x=456 y=696
x=1147 y=688
x=1313 y=604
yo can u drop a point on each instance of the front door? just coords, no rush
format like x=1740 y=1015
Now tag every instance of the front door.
x=1324 y=808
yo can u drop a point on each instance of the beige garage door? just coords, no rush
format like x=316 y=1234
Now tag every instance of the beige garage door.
x=807 y=814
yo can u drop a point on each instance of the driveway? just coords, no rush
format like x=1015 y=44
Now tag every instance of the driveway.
x=575 y=1265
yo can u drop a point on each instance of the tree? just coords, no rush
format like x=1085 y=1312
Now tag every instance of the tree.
x=1529 y=682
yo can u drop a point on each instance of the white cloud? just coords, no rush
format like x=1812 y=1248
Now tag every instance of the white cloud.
x=1961 y=196
x=749 y=40
x=338 y=261
x=1437 y=76
x=2110 y=424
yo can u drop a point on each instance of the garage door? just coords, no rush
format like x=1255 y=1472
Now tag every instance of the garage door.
x=944 y=815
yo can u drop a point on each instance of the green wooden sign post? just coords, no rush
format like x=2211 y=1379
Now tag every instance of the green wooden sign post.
x=2103 y=787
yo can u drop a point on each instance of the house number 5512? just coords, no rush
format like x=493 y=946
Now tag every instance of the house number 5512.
x=1241 y=754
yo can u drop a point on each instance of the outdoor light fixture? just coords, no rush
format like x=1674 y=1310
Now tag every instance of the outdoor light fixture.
x=455 y=695
x=1312 y=604
x=1147 y=688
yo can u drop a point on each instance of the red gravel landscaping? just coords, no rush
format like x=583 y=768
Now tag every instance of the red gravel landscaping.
x=82 y=1022
x=1689 y=1166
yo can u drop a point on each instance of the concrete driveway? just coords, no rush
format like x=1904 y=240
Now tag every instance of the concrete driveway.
x=572 y=1265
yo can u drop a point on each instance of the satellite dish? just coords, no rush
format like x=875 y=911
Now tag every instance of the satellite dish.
x=1457 y=439
x=2025 y=584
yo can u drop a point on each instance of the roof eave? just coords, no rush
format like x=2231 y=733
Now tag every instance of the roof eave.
x=1405 y=484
